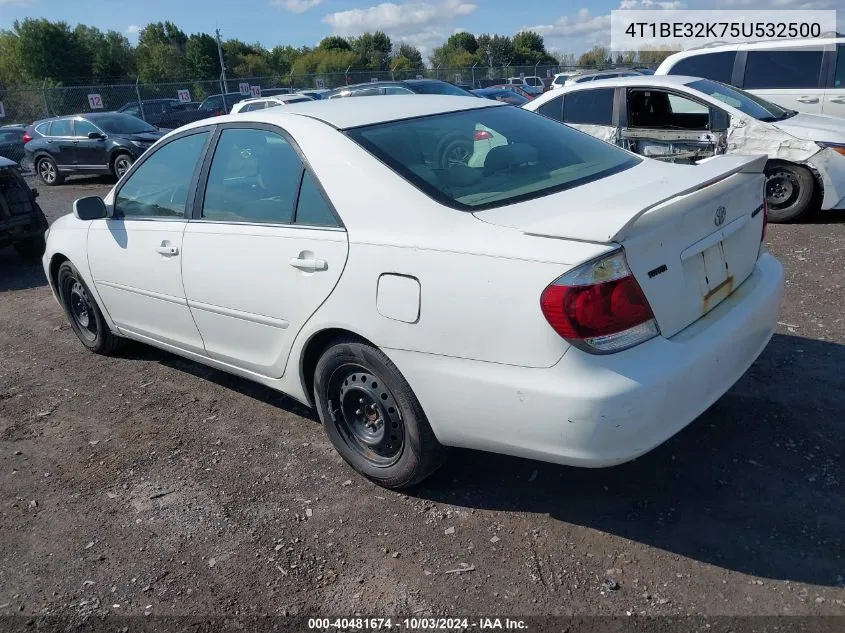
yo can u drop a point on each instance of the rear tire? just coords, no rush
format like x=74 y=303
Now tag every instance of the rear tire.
x=789 y=192
x=83 y=312
x=48 y=171
x=372 y=417
x=32 y=248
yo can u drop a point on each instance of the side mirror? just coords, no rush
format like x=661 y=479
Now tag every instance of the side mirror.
x=95 y=136
x=90 y=208
x=719 y=120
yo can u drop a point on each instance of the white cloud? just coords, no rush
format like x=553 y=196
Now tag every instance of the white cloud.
x=422 y=24
x=132 y=32
x=297 y=6
x=2 y=2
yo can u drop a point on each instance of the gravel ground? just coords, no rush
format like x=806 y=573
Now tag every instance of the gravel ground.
x=164 y=487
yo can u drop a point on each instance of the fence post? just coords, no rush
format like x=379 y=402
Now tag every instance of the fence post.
x=44 y=94
x=535 y=69
x=473 y=74
x=223 y=92
x=138 y=95
x=346 y=75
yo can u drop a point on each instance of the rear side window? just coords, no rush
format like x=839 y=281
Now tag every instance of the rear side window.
x=593 y=107
x=552 y=109
x=839 y=79
x=715 y=66
x=43 y=129
x=312 y=208
x=254 y=177
x=62 y=127
x=783 y=68
x=524 y=156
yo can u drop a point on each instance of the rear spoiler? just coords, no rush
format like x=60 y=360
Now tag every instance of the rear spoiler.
x=620 y=211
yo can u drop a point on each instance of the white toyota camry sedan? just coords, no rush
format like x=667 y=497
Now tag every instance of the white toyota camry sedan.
x=562 y=299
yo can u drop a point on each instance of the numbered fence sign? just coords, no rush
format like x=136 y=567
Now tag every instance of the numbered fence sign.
x=457 y=78
x=244 y=88
x=320 y=83
x=255 y=91
x=2 y=110
x=522 y=75
x=548 y=72
x=373 y=80
x=95 y=101
x=184 y=96
x=419 y=76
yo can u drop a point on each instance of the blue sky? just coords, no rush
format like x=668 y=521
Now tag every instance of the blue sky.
x=569 y=27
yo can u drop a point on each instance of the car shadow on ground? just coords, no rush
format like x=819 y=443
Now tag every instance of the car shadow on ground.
x=754 y=485
x=16 y=274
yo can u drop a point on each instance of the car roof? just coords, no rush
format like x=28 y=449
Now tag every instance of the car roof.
x=389 y=82
x=655 y=81
x=349 y=113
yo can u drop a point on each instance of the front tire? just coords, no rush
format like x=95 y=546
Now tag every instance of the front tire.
x=789 y=192
x=48 y=171
x=372 y=417
x=84 y=314
x=121 y=164
x=32 y=248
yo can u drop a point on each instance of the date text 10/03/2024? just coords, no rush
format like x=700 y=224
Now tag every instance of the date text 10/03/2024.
x=415 y=624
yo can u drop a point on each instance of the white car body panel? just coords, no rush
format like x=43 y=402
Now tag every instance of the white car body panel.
x=794 y=139
x=451 y=297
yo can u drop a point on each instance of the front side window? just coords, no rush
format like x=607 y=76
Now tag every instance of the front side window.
x=783 y=68
x=715 y=66
x=83 y=128
x=522 y=156
x=158 y=188
x=254 y=177
x=592 y=107
x=61 y=127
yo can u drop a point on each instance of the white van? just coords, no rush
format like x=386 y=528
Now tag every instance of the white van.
x=807 y=75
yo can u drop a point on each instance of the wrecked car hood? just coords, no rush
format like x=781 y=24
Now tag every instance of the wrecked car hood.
x=814 y=127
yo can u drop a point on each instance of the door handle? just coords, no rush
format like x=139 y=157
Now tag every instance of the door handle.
x=807 y=99
x=837 y=99
x=167 y=250
x=308 y=264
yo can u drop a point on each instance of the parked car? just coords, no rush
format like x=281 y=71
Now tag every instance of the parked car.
x=218 y=104
x=807 y=75
x=687 y=119
x=262 y=103
x=22 y=223
x=527 y=87
x=501 y=94
x=519 y=89
x=163 y=113
x=318 y=93
x=87 y=144
x=560 y=79
x=11 y=142
x=271 y=92
x=535 y=81
x=604 y=74
x=406 y=87
x=325 y=253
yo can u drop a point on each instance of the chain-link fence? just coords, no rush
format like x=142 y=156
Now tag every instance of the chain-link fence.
x=23 y=105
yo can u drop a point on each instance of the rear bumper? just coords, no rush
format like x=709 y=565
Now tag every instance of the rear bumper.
x=591 y=410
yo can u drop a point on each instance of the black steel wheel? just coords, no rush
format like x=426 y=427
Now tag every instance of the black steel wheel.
x=789 y=191
x=372 y=417
x=82 y=311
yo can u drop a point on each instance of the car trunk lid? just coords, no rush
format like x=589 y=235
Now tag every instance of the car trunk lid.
x=691 y=234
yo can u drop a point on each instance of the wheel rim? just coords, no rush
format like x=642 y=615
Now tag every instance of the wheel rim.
x=122 y=165
x=458 y=155
x=47 y=171
x=366 y=415
x=81 y=309
x=782 y=189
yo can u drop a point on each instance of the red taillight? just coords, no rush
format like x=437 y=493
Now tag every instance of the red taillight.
x=482 y=135
x=26 y=137
x=599 y=306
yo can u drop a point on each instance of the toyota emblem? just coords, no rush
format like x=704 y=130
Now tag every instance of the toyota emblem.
x=719 y=218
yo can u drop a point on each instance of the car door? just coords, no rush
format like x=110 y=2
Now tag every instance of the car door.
x=61 y=144
x=591 y=110
x=135 y=255
x=834 y=96
x=672 y=127
x=90 y=153
x=264 y=250
x=790 y=77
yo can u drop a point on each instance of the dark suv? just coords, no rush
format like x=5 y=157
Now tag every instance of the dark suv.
x=407 y=87
x=22 y=223
x=90 y=144
x=163 y=113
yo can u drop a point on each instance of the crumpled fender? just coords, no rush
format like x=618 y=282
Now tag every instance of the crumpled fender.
x=830 y=167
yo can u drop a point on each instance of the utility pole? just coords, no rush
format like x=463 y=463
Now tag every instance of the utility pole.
x=222 y=68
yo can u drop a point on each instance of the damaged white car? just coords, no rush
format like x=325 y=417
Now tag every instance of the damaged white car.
x=688 y=120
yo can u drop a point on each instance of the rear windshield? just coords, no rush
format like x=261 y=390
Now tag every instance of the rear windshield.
x=490 y=157
x=438 y=88
x=745 y=102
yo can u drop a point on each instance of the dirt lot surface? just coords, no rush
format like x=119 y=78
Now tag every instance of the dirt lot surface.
x=149 y=484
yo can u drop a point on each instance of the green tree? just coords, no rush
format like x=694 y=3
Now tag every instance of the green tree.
x=282 y=58
x=596 y=56
x=373 y=50
x=530 y=49
x=494 y=50
x=12 y=71
x=161 y=53
x=654 y=54
x=201 y=58
x=335 y=42
x=50 y=50
x=411 y=54
x=462 y=41
x=116 y=58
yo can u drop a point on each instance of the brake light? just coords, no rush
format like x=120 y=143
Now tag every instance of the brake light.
x=599 y=306
x=26 y=137
x=482 y=135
